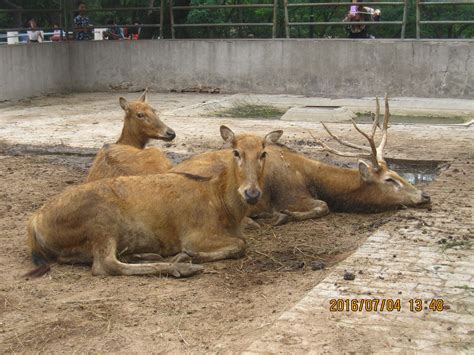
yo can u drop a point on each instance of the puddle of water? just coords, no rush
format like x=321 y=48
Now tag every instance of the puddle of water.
x=394 y=119
x=414 y=171
x=417 y=171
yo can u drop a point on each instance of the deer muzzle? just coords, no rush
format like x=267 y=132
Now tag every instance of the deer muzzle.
x=252 y=195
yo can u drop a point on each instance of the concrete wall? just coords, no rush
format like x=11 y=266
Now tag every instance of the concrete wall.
x=34 y=69
x=336 y=68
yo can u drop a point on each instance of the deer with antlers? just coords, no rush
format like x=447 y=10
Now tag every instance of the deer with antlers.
x=129 y=156
x=299 y=188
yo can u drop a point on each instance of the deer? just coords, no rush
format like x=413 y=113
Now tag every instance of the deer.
x=148 y=218
x=128 y=156
x=297 y=188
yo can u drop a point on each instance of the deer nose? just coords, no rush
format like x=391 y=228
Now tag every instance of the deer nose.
x=170 y=134
x=252 y=195
x=425 y=197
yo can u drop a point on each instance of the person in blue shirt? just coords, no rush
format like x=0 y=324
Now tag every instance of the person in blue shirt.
x=82 y=24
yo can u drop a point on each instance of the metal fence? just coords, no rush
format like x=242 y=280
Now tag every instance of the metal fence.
x=273 y=24
x=420 y=4
x=288 y=6
x=65 y=15
x=149 y=9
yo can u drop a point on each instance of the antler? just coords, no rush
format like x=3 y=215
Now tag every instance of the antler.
x=375 y=154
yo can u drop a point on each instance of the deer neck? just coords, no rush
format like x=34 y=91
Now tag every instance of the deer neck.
x=341 y=188
x=130 y=136
x=232 y=205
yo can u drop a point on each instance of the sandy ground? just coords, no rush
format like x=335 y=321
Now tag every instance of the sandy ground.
x=224 y=309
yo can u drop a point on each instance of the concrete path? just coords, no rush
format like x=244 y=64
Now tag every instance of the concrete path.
x=429 y=258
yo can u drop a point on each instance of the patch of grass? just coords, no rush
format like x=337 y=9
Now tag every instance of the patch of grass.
x=465 y=287
x=462 y=244
x=250 y=110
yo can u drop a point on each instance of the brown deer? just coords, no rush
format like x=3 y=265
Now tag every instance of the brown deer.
x=192 y=217
x=299 y=188
x=129 y=156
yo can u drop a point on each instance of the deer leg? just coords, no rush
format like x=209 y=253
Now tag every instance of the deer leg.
x=317 y=209
x=281 y=218
x=250 y=223
x=140 y=258
x=202 y=250
x=106 y=263
x=263 y=215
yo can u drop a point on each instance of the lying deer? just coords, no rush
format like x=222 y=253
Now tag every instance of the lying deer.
x=129 y=156
x=299 y=188
x=195 y=218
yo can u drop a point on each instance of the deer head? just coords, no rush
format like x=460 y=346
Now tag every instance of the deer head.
x=142 y=122
x=249 y=161
x=391 y=187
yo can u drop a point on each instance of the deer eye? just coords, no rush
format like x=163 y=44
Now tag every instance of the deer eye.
x=140 y=115
x=392 y=181
x=236 y=153
x=263 y=155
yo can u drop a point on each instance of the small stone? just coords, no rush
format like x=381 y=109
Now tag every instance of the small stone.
x=317 y=265
x=349 y=276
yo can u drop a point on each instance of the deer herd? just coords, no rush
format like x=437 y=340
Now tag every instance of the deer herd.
x=138 y=214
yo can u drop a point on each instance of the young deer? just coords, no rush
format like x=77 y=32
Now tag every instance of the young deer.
x=193 y=217
x=129 y=156
x=299 y=188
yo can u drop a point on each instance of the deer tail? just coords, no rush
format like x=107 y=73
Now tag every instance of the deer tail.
x=38 y=254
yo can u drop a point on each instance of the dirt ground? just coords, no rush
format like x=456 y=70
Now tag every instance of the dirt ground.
x=224 y=309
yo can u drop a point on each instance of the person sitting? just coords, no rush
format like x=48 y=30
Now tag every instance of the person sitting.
x=359 y=13
x=135 y=30
x=58 y=34
x=113 y=33
x=34 y=36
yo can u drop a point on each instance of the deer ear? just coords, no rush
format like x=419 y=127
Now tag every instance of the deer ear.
x=123 y=103
x=273 y=136
x=227 y=134
x=142 y=97
x=365 y=171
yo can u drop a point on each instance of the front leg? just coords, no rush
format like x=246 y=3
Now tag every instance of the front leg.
x=315 y=209
x=206 y=249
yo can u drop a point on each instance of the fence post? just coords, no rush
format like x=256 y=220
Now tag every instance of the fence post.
x=172 y=19
x=404 y=24
x=162 y=8
x=275 y=11
x=418 y=19
x=287 y=26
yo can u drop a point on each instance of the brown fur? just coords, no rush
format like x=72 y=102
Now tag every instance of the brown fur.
x=169 y=214
x=129 y=155
x=298 y=188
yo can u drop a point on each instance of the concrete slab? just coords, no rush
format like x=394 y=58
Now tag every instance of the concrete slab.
x=319 y=114
x=414 y=263
x=400 y=106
